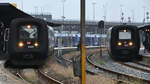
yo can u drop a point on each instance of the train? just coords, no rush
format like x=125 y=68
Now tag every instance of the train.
x=123 y=42
x=26 y=41
x=73 y=39
x=145 y=35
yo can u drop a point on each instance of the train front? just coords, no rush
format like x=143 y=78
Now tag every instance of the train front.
x=28 y=42
x=125 y=42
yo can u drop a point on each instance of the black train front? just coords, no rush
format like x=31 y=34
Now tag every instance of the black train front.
x=124 y=43
x=28 y=43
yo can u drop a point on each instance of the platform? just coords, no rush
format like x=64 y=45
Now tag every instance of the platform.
x=8 y=78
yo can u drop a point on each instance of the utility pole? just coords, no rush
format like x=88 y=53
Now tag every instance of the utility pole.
x=144 y=14
x=60 y=41
x=129 y=19
x=93 y=4
x=82 y=25
x=132 y=11
x=63 y=6
x=22 y=5
x=121 y=14
x=63 y=18
x=36 y=10
x=42 y=11
x=93 y=10
x=147 y=16
x=105 y=12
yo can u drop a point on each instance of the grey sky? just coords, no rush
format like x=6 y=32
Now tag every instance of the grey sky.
x=72 y=8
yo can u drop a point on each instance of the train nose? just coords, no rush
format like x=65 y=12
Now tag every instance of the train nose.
x=125 y=51
x=28 y=56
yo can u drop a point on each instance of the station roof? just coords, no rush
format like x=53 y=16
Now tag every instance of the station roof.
x=8 y=12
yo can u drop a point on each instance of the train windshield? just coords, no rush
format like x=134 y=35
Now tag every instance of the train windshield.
x=124 y=34
x=28 y=32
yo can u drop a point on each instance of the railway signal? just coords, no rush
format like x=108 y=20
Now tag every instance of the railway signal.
x=101 y=28
x=101 y=24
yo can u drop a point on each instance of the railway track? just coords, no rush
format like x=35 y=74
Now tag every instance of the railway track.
x=142 y=64
x=70 y=61
x=21 y=76
x=49 y=79
x=145 y=67
x=117 y=73
x=41 y=76
x=140 y=67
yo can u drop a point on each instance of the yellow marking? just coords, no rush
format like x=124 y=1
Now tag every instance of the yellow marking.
x=83 y=65
x=14 y=4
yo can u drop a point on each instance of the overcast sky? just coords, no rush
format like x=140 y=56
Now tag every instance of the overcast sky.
x=72 y=8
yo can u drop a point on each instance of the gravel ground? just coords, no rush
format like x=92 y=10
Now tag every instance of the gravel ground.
x=62 y=73
x=137 y=65
x=109 y=64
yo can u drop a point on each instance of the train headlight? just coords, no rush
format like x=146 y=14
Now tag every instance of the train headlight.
x=36 y=44
x=124 y=30
x=20 y=44
x=130 y=43
x=29 y=26
x=119 y=43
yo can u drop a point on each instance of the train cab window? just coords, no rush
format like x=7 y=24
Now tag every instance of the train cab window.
x=28 y=32
x=124 y=34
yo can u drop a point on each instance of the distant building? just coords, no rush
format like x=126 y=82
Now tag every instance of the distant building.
x=47 y=17
x=73 y=26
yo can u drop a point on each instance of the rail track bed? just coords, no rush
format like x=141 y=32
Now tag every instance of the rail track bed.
x=96 y=64
x=40 y=77
x=58 y=72
x=121 y=71
x=89 y=68
x=48 y=79
x=6 y=77
x=92 y=76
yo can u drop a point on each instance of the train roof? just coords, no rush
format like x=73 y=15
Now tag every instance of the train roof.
x=123 y=26
x=143 y=26
x=9 y=12
x=53 y=24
